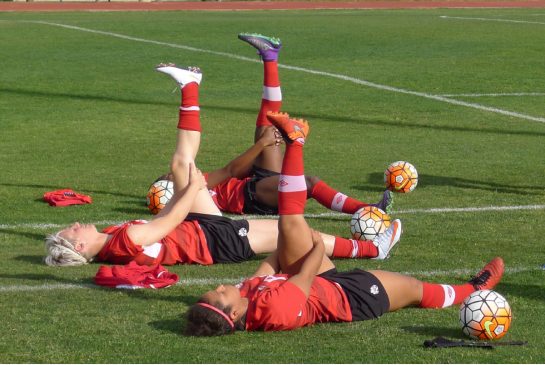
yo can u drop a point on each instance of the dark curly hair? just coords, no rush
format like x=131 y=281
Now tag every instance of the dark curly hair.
x=202 y=321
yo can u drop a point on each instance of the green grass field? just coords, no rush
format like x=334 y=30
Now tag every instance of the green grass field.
x=81 y=107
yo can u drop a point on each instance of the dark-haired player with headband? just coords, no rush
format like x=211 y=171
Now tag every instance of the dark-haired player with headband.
x=298 y=285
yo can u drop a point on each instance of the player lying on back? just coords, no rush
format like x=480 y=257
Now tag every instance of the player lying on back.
x=190 y=229
x=248 y=184
x=298 y=285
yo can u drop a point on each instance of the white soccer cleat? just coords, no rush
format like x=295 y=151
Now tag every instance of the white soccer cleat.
x=182 y=76
x=387 y=240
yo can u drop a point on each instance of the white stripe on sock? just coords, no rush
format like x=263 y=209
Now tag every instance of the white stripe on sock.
x=272 y=93
x=290 y=183
x=338 y=202
x=190 y=108
x=450 y=294
x=354 y=249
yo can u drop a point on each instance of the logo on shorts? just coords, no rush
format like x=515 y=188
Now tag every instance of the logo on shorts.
x=243 y=232
x=373 y=289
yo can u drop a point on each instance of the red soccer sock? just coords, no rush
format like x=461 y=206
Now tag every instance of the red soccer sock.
x=271 y=99
x=292 y=187
x=442 y=295
x=349 y=248
x=335 y=200
x=190 y=112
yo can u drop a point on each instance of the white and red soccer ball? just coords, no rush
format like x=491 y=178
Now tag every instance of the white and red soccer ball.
x=401 y=177
x=159 y=194
x=485 y=315
x=368 y=222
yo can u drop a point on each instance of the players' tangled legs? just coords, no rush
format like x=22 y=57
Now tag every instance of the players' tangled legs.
x=297 y=284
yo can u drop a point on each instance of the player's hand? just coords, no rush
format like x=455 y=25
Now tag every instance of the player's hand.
x=196 y=178
x=271 y=137
x=317 y=239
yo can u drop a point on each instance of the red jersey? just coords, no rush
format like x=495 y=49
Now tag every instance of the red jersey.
x=276 y=304
x=185 y=245
x=229 y=195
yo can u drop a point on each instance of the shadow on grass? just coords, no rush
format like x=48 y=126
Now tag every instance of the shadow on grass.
x=434 y=331
x=376 y=181
x=253 y=111
x=34 y=236
x=57 y=187
x=84 y=97
x=388 y=123
x=47 y=279
x=529 y=291
x=175 y=325
x=31 y=259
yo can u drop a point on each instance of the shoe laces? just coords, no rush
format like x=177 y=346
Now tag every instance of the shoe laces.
x=481 y=279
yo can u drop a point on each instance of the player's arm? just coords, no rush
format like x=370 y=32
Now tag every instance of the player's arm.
x=304 y=278
x=240 y=166
x=175 y=212
x=268 y=266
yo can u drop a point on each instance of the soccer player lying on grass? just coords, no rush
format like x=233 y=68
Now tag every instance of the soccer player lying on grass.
x=190 y=229
x=248 y=184
x=298 y=285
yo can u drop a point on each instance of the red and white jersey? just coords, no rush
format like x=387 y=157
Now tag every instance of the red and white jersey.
x=185 y=245
x=229 y=195
x=276 y=304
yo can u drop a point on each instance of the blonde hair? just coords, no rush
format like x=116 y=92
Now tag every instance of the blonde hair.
x=61 y=252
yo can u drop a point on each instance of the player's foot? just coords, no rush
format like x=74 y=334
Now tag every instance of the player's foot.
x=293 y=130
x=489 y=276
x=386 y=203
x=267 y=47
x=182 y=76
x=387 y=240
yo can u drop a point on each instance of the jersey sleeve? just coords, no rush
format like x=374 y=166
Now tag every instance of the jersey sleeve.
x=277 y=309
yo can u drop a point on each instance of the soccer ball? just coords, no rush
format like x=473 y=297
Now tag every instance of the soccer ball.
x=368 y=222
x=401 y=177
x=159 y=194
x=485 y=315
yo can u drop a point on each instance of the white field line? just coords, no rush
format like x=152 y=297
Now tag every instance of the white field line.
x=494 y=94
x=316 y=215
x=491 y=20
x=310 y=71
x=217 y=281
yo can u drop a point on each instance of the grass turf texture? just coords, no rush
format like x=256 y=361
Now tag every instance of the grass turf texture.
x=86 y=111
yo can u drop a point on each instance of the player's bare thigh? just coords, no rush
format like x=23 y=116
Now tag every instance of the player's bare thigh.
x=294 y=244
x=271 y=157
x=266 y=191
x=263 y=235
x=403 y=291
x=204 y=204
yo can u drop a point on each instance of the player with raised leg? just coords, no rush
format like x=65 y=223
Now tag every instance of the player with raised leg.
x=298 y=285
x=190 y=229
x=248 y=184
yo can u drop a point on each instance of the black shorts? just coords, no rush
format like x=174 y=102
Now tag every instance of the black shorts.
x=227 y=239
x=251 y=204
x=365 y=293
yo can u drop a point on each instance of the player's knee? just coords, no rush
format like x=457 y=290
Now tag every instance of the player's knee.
x=180 y=165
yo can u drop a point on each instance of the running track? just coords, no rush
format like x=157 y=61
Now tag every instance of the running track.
x=259 y=5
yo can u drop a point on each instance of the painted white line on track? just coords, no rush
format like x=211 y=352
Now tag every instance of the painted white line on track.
x=491 y=20
x=217 y=281
x=316 y=215
x=494 y=94
x=314 y=72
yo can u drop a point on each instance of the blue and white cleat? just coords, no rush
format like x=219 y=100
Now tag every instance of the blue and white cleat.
x=267 y=47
